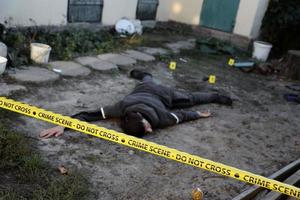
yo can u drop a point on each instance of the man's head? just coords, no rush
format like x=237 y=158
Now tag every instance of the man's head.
x=133 y=123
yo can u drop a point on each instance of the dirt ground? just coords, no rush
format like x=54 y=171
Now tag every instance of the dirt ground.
x=260 y=133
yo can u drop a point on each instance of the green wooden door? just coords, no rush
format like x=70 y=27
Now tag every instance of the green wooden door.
x=219 y=14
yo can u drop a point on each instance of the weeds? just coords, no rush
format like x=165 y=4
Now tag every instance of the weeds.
x=65 y=188
x=25 y=175
x=218 y=47
x=65 y=44
x=10 y=194
x=13 y=147
x=171 y=27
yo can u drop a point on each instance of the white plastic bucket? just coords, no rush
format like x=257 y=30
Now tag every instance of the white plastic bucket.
x=40 y=52
x=261 y=50
x=3 y=62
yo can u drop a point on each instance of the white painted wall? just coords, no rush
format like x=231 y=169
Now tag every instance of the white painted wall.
x=164 y=10
x=54 y=12
x=43 y=12
x=248 y=20
x=260 y=13
x=113 y=10
x=245 y=17
x=249 y=17
x=186 y=11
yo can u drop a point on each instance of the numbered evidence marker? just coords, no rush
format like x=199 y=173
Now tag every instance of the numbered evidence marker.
x=172 y=65
x=231 y=62
x=212 y=79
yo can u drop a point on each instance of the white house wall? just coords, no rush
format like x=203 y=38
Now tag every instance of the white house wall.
x=54 y=12
x=249 y=17
x=113 y=10
x=164 y=10
x=248 y=20
x=186 y=11
x=245 y=17
x=260 y=13
x=43 y=12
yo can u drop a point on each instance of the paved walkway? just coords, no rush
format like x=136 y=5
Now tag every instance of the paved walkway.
x=83 y=66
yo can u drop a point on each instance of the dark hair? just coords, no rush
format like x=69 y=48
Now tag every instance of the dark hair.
x=132 y=124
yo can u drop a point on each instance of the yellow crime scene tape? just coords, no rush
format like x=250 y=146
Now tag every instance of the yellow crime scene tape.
x=150 y=147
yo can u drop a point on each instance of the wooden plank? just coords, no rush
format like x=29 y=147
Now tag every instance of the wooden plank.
x=292 y=180
x=279 y=175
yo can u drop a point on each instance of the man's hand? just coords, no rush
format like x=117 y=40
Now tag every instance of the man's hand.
x=204 y=114
x=52 y=132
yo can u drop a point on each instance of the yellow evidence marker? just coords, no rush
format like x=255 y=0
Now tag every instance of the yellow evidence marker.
x=197 y=194
x=231 y=62
x=172 y=65
x=212 y=79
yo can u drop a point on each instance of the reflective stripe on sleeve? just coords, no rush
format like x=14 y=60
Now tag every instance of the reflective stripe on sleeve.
x=177 y=119
x=103 y=114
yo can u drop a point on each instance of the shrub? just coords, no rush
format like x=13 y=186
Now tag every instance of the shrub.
x=281 y=24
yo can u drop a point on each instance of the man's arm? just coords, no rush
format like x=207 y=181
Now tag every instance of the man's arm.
x=103 y=113
x=184 y=116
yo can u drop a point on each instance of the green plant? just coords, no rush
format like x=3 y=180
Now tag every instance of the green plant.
x=171 y=27
x=10 y=194
x=32 y=168
x=69 y=187
x=13 y=148
x=65 y=44
x=216 y=46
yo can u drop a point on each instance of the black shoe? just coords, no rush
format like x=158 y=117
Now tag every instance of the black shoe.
x=221 y=99
x=138 y=74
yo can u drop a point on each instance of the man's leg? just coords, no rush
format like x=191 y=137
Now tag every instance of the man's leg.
x=182 y=99
x=206 y=97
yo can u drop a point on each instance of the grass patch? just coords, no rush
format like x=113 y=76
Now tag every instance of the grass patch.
x=25 y=175
x=65 y=188
x=92 y=158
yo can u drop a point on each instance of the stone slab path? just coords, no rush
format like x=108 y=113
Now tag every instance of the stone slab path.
x=117 y=59
x=177 y=46
x=9 y=89
x=33 y=74
x=154 y=50
x=139 y=55
x=96 y=64
x=69 y=68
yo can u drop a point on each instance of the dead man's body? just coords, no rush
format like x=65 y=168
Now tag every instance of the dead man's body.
x=148 y=107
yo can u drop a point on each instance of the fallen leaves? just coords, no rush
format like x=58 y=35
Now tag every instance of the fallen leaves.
x=63 y=170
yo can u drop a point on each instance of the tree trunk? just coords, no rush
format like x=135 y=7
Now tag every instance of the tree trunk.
x=292 y=65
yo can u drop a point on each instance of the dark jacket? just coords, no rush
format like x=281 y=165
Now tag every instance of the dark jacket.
x=153 y=101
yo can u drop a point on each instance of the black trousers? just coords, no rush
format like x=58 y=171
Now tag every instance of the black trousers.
x=185 y=99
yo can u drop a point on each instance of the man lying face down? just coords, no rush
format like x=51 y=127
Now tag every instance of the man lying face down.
x=148 y=108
